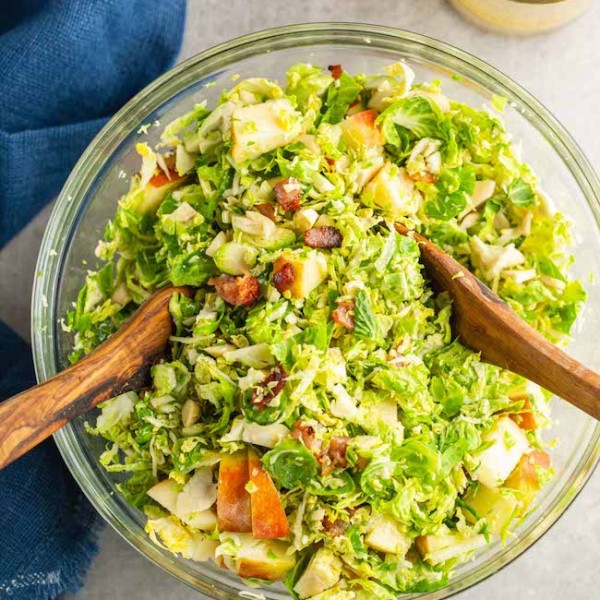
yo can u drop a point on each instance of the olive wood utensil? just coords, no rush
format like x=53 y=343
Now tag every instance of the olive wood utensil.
x=120 y=364
x=486 y=324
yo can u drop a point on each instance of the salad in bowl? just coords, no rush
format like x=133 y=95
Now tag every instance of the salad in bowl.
x=316 y=422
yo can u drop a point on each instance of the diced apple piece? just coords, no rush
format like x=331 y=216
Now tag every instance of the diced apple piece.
x=392 y=190
x=233 y=500
x=525 y=477
x=184 y=161
x=385 y=534
x=260 y=128
x=191 y=503
x=508 y=444
x=323 y=572
x=436 y=549
x=359 y=130
x=366 y=170
x=525 y=419
x=304 y=219
x=343 y=405
x=482 y=191
x=165 y=492
x=202 y=548
x=267 y=436
x=219 y=240
x=157 y=189
x=183 y=213
x=205 y=520
x=198 y=494
x=495 y=505
x=254 y=223
x=269 y=520
x=263 y=559
x=308 y=271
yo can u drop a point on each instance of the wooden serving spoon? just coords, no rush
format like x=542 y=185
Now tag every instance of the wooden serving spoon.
x=120 y=364
x=485 y=323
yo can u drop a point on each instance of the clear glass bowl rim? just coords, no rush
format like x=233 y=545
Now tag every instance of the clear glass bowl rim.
x=71 y=201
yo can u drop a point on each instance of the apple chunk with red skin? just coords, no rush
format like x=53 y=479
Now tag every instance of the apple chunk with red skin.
x=359 y=130
x=526 y=418
x=524 y=477
x=233 y=500
x=157 y=189
x=269 y=520
x=262 y=559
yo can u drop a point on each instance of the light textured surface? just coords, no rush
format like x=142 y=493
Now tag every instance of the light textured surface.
x=561 y=70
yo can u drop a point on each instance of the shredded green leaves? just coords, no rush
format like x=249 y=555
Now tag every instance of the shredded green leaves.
x=341 y=371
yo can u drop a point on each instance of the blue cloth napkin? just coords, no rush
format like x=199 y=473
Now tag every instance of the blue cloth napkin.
x=65 y=67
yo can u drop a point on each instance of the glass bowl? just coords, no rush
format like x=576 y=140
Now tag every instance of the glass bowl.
x=90 y=196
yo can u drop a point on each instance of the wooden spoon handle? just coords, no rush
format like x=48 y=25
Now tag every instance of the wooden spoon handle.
x=120 y=364
x=507 y=341
x=486 y=324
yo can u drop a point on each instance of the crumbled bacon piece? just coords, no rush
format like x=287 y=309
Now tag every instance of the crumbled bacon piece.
x=266 y=210
x=341 y=315
x=283 y=275
x=306 y=434
x=288 y=194
x=334 y=457
x=269 y=387
x=330 y=161
x=239 y=291
x=335 y=528
x=336 y=71
x=323 y=237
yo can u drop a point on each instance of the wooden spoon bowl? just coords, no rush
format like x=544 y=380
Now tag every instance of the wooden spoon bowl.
x=120 y=364
x=486 y=324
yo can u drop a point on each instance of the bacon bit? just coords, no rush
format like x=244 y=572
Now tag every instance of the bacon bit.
x=330 y=161
x=334 y=457
x=239 y=291
x=330 y=459
x=341 y=315
x=305 y=433
x=288 y=194
x=336 y=71
x=323 y=237
x=335 y=528
x=283 y=275
x=266 y=210
x=424 y=177
x=269 y=387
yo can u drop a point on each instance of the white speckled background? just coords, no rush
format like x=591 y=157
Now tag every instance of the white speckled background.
x=562 y=70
